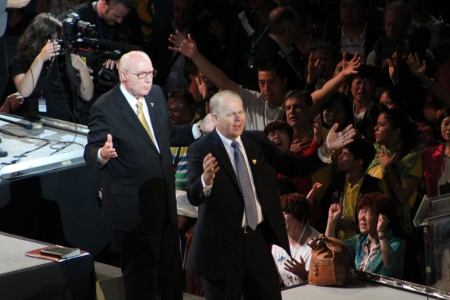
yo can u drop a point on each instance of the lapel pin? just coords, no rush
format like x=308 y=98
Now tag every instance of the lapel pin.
x=254 y=161
x=152 y=104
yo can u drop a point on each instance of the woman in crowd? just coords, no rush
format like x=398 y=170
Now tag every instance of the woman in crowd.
x=396 y=163
x=296 y=210
x=337 y=109
x=40 y=75
x=436 y=173
x=375 y=249
x=391 y=97
x=399 y=167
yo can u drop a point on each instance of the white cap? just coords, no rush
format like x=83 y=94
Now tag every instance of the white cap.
x=184 y=208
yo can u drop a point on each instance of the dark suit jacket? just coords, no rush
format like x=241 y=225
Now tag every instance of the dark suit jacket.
x=220 y=214
x=138 y=185
x=372 y=35
x=270 y=50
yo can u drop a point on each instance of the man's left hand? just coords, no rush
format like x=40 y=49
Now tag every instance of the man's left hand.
x=338 y=140
x=208 y=123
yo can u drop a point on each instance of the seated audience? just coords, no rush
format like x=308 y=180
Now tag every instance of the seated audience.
x=375 y=249
x=40 y=75
x=294 y=269
x=349 y=186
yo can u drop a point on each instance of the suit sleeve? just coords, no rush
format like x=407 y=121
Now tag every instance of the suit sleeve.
x=195 y=167
x=98 y=131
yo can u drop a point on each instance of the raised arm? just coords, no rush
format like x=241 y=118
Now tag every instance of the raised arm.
x=86 y=88
x=188 y=47
x=348 y=68
x=419 y=70
x=334 y=213
x=25 y=83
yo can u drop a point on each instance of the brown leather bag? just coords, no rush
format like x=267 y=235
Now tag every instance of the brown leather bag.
x=331 y=262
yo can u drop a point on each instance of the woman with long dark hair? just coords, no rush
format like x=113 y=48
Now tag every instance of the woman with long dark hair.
x=396 y=163
x=399 y=167
x=40 y=75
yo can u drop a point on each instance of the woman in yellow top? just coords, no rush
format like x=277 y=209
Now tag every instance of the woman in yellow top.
x=396 y=163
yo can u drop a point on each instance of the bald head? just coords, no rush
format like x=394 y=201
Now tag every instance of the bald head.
x=132 y=58
x=228 y=114
x=132 y=67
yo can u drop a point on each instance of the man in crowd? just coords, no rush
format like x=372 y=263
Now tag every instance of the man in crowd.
x=233 y=180
x=267 y=105
x=129 y=140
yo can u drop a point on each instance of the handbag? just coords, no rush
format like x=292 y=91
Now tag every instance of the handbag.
x=331 y=262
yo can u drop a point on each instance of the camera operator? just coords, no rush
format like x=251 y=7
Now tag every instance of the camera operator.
x=40 y=75
x=116 y=20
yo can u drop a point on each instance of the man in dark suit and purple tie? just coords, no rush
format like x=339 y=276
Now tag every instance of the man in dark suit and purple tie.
x=233 y=181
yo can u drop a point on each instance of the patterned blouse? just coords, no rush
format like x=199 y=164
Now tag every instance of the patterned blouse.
x=371 y=260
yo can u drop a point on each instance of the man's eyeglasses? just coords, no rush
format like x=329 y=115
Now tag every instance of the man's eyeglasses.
x=143 y=75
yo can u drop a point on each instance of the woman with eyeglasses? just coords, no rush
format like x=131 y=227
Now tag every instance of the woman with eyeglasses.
x=40 y=75
x=375 y=249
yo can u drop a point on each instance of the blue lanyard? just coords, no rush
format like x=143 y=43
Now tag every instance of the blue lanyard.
x=100 y=26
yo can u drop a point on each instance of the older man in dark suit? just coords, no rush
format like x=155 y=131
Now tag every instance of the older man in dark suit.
x=233 y=180
x=129 y=140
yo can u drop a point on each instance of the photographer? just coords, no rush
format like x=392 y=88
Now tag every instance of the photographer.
x=40 y=75
x=115 y=20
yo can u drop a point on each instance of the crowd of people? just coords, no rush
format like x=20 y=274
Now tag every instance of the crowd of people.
x=353 y=96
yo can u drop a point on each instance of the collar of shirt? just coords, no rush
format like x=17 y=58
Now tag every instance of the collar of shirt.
x=285 y=49
x=227 y=143
x=363 y=34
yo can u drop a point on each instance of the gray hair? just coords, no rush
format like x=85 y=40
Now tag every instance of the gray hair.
x=217 y=100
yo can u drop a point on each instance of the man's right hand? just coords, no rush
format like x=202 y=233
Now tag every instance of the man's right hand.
x=111 y=64
x=186 y=46
x=210 y=169
x=108 y=151
x=17 y=3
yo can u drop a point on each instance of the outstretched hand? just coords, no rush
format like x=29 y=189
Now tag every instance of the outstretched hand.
x=210 y=168
x=185 y=45
x=415 y=66
x=108 y=151
x=338 y=140
x=350 y=67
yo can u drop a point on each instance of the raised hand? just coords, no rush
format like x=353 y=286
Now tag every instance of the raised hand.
x=312 y=193
x=394 y=68
x=415 y=66
x=51 y=49
x=210 y=168
x=216 y=28
x=186 y=46
x=17 y=3
x=304 y=43
x=108 y=151
x=335 y=212
x=77 y=63
x=350 y=67
x=383 y=223
x=313 y=69
x=338 y=140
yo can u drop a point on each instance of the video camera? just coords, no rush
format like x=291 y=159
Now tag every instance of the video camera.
x=79 y=37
